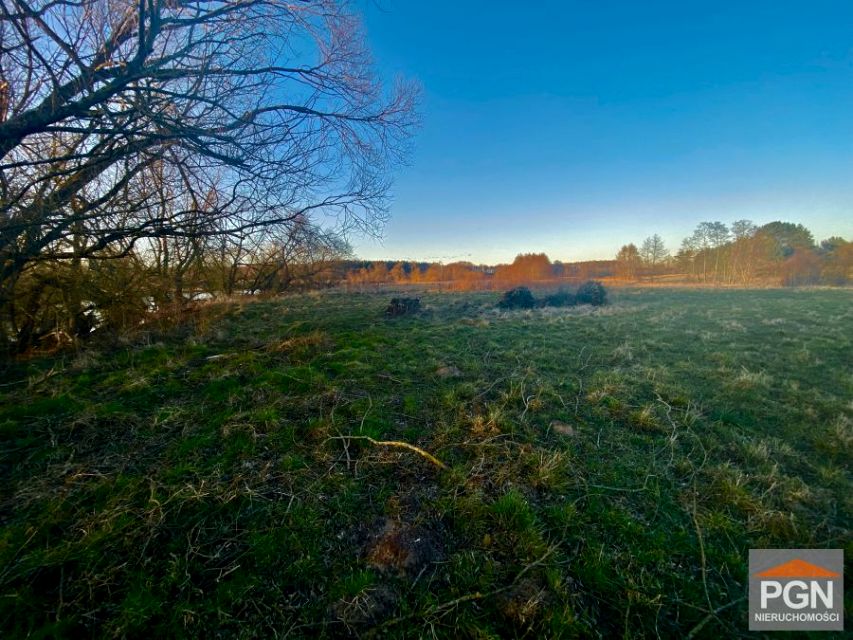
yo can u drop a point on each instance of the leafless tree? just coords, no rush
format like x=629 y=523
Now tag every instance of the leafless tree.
x=271 y=105
x=707 y=238
x=300 y=257
x=653 y=252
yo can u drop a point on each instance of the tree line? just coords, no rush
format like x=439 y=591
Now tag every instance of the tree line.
x=741 y=253
x=527 y=268
x=777 y=253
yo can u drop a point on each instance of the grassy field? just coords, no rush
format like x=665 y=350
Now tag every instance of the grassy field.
x=606 y=470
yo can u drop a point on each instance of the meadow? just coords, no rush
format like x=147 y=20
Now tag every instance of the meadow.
x=572 y=472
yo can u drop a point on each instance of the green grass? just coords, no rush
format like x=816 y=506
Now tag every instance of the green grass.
x=154 y=490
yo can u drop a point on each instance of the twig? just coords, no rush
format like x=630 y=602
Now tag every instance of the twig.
x=53 y=371
x=390 y=377
x=346 y=451
x=490 y=387
x=369 y=407
x=526 y=400
x=581 y=362
x=624 y=489
x=701 y=548
x=396 y=443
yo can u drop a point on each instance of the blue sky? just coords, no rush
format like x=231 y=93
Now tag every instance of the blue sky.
x=575 y=127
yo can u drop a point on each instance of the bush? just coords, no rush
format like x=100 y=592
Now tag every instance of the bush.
x=562 y=298
x=518 y=298
x=592 y=292
x=403 y=306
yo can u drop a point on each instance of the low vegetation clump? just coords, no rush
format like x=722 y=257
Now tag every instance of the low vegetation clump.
x=592 y=292
x=517 y=298
x=303 y=465
x=403 y=306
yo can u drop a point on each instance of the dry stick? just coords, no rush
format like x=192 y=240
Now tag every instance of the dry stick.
x=701 y=548
x=369 y=407
x=490 y=387
x=396 y=443
x=346 y=450
x=47 y=376
x=389 y=377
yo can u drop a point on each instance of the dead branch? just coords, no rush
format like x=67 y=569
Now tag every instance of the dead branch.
x=396 y=443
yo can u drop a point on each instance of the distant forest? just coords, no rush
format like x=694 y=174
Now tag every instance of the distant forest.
x=778 y=253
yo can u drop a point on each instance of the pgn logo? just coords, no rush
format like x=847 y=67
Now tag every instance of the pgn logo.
x=796 y=589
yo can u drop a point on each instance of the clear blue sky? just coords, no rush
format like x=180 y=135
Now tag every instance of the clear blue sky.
x=575 y=127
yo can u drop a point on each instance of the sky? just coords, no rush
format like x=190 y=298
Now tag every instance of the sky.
x=575 y=127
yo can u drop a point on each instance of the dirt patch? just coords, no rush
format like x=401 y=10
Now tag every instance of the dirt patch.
x=399 y=548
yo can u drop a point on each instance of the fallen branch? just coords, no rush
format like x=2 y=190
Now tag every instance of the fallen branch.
x=396 y=443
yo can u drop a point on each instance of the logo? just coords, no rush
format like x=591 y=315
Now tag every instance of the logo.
x=796 y=589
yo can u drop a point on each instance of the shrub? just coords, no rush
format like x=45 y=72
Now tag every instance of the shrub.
x=562 y=298
x=592 y=292
x=403 y=306
x=518 y=298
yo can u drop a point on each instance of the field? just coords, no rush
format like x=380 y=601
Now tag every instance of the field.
x=578 y=472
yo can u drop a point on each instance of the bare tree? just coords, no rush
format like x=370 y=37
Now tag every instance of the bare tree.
x=719 y=235
x=707 y=237
x=299 y=257
x=742 y=254
x=653 y=252
x=271 y=105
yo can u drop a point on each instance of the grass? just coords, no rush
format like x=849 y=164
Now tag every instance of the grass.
x=206 y=485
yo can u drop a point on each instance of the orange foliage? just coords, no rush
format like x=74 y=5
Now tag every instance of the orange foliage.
x=526 y=268
x=802 y=268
